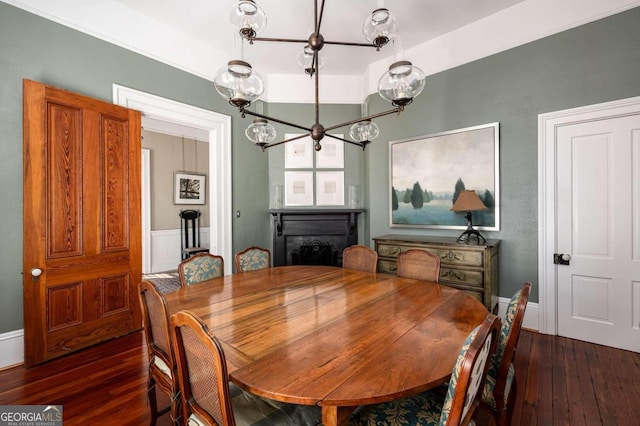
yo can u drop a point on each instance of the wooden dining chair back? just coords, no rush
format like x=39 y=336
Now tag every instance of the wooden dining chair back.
x=470 y=372
x=252 y=259
x=202 y=372
x=161 y=359
x=360 y=258
x=419 y=265
x=190 y=233
x=462 y=395
x=500 y=388
x=200 y=267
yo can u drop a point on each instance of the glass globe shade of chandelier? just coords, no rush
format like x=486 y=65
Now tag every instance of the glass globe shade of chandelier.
x=380 y=27
x=239 y=83
x=260 y=132
x=364 y=132
x=248 y=19
x=305 y=60
x=401 y=83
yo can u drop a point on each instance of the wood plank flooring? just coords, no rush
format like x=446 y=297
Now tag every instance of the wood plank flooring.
x=560 y=382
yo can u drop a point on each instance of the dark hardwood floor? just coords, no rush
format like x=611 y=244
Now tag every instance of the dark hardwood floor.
x=560 y=382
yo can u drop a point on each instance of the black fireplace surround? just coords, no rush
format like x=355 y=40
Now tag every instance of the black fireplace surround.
x=313 y=236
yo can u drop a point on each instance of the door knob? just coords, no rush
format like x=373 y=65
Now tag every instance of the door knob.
x=35 y=273
x=561 y=258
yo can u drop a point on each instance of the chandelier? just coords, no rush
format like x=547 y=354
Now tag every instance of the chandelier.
x=241 y=85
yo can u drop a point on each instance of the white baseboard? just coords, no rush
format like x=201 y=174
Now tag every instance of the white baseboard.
x=165 y=248
x=530 y=314
x=11 y=348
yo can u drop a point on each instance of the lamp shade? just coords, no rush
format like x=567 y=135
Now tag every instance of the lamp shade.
x=239 y=83
x=380 y=27
x=401 y=83
x=468 y=200
x=305 y=60
x=364 y=131
x=248 y=19
x=260 y=132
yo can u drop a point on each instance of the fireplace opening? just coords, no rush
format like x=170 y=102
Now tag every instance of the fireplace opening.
x=315 y=252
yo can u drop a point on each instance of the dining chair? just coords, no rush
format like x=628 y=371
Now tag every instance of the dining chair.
x=360 y=258
x=161 y=360
x=419 y=265
x=252 y=259
x=461 y=399
x=500 y=388
x=200 y=267
x=208 y=398
x=190 y=233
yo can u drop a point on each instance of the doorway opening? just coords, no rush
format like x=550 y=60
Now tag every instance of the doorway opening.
x=170 y=117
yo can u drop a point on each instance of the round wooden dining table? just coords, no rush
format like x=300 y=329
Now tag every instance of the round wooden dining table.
x=321 y=335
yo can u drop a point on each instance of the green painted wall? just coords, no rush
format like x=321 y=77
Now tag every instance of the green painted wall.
x=38 y=49
x=594 y=63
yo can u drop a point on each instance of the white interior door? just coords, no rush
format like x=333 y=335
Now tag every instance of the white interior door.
x=598 y=225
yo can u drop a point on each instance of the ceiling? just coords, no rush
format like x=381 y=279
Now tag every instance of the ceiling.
x=419 y=21
x=436 y=35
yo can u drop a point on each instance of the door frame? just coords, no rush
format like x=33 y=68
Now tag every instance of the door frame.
x=217 y=126
x=548 y=125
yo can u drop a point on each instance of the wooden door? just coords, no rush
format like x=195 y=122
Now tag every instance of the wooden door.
x=81 y=221
x=598 y=213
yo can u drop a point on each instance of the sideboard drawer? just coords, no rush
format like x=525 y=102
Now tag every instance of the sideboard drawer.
x=466 y=267
x=387 y=267
x=461 y=276
x=447 y=256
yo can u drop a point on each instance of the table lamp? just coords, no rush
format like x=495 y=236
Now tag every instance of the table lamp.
x=469 y=201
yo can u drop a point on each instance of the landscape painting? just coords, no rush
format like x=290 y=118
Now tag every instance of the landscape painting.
x=428 y=173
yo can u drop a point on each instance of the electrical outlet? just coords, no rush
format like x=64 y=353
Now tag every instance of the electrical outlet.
x=237 y=214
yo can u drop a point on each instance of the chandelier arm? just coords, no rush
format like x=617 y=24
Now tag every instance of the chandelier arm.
x=305 y=41
x=348 y=43
x=398 y=109
x=283 y=40
x=266 y=117
x=286 y=140
x=344 y=140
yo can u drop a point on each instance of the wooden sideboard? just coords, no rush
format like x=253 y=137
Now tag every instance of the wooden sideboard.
x=472 y=268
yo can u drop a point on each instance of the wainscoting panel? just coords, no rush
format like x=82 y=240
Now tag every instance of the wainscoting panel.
x=165 y=248
x=11 y=348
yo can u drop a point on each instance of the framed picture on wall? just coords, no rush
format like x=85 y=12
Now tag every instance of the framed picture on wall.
x=298 y=188
x=331 y=156
x=330 y=188
x=189 y=188
x=427 y=173
x=298 y=154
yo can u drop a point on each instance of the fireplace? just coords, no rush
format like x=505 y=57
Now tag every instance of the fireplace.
x=313 y=237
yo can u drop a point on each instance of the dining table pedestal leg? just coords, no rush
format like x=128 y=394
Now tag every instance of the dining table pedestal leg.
x=336 y=416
